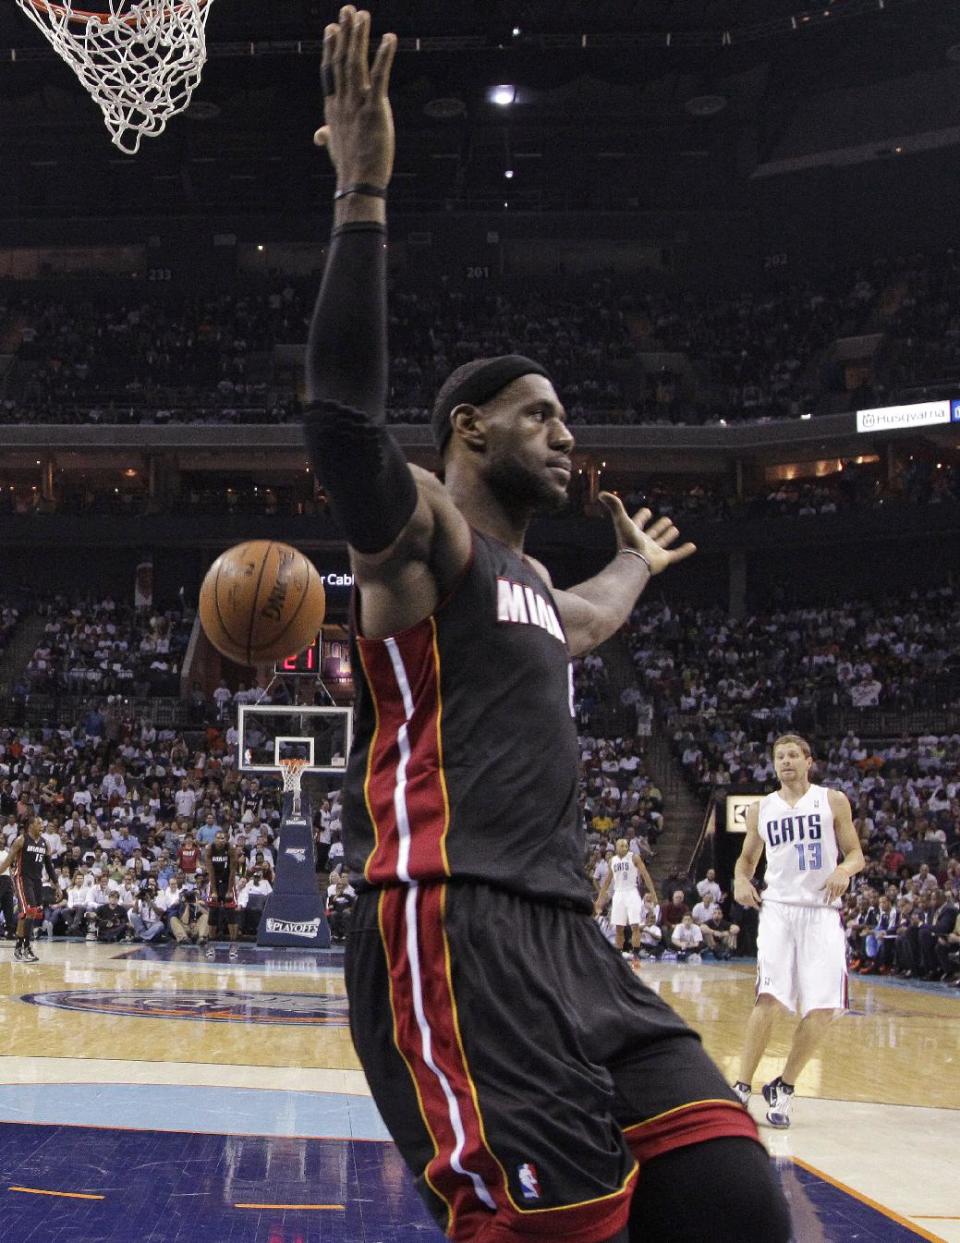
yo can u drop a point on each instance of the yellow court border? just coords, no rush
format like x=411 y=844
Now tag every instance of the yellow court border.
x=67 y=1195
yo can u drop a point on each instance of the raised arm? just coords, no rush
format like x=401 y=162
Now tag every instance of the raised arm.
x=407 y=539
x=744 y=890
x=594 y=610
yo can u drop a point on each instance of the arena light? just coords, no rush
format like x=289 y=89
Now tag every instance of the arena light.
x=508 y=174
x=503 y=95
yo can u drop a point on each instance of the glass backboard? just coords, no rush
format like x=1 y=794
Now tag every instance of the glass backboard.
x=269 y=733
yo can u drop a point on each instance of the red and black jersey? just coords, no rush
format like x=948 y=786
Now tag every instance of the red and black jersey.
x=221 y=861
x=464 y=759
x=32 y=860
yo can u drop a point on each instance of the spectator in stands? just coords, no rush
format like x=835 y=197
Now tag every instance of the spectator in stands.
x=709 y=885
x=189 y=918
x=78 y=904
x=687 y=939
x=948 y=954
x=719 y=934
x=111 y=919
x=673 y=913
x=705 y=908
x=146 y=916
x=940 y=919
x=651 y=936
x=341 y=898
x=188 y=856
x=878 y=942
x=251 y=897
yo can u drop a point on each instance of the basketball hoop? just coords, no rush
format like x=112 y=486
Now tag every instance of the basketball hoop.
x=141 y=61
x=292 y=772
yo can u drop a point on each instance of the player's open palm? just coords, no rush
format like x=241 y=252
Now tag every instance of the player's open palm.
x=654 y=541
x=358 y=129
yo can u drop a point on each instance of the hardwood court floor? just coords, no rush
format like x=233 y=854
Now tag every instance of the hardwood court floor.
x=108 y=1056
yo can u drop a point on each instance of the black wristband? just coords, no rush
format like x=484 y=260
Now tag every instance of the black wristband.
x=362 y=187
x=360 y=226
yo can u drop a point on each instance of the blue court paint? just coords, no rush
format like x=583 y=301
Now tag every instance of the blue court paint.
x=230 y=1111
x=170 y=1188
x=845 y=1218
x=165 y=1188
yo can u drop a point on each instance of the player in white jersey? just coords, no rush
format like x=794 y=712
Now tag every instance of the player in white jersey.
x=801 y=950
x=626 y=909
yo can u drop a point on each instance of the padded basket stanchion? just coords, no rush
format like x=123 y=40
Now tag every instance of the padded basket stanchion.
x=292 y=772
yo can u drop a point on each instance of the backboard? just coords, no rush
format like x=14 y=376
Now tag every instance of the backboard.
x=269 y=733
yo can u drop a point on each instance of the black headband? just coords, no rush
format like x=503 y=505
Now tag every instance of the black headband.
x=479 y=387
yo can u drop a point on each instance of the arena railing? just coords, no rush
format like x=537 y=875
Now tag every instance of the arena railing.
x=68 y=710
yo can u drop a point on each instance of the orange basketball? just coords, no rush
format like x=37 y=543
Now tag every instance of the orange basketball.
x=261 y=601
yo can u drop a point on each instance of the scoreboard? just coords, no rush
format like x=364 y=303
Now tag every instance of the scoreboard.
x=327 y=657
x=307 y=661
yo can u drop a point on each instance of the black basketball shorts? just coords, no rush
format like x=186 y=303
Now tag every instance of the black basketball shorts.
x=523 y=1070
x=29 y=891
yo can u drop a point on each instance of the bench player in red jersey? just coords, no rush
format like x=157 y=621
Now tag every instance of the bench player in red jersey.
x=534 y=1086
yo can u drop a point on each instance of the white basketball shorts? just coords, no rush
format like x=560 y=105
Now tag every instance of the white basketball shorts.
x=801 y=957
x=626 y=908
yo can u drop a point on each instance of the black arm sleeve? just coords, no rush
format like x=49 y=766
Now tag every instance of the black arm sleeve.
x=51 y=871
x=358 y=462
x=347 y=345
x=363 y=471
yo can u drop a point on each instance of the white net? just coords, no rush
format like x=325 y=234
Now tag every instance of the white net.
x=292 y=772
x=141 y=60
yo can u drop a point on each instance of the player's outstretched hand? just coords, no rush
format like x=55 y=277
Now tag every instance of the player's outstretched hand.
x=653 y=541
x=358 y=121
x=836 y=884
x=746 y=893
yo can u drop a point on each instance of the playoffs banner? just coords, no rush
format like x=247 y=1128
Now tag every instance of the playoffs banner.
x=294 y=913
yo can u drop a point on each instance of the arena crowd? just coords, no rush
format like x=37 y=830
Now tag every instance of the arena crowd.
x=619 y=352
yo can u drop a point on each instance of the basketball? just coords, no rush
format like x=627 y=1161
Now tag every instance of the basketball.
x=261 y=601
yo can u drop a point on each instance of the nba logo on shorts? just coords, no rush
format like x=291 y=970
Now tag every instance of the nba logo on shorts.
x=529 y=1183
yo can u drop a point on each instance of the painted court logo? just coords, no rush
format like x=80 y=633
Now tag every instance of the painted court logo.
x=210 y=1005
x=529 y=1182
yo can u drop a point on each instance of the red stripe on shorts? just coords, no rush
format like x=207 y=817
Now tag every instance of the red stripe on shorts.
x=481 y=1207
x=426 y=1035
x=21 y=892
x=689 y=1124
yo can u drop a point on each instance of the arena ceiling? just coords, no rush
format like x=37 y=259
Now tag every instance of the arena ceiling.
x=641 y=92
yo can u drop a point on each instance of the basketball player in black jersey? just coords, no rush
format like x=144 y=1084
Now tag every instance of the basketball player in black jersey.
x=221 y=859
x=533 y=1085
x=26 y=861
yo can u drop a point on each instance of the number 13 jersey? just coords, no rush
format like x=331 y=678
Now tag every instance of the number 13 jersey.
x=801 y=848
